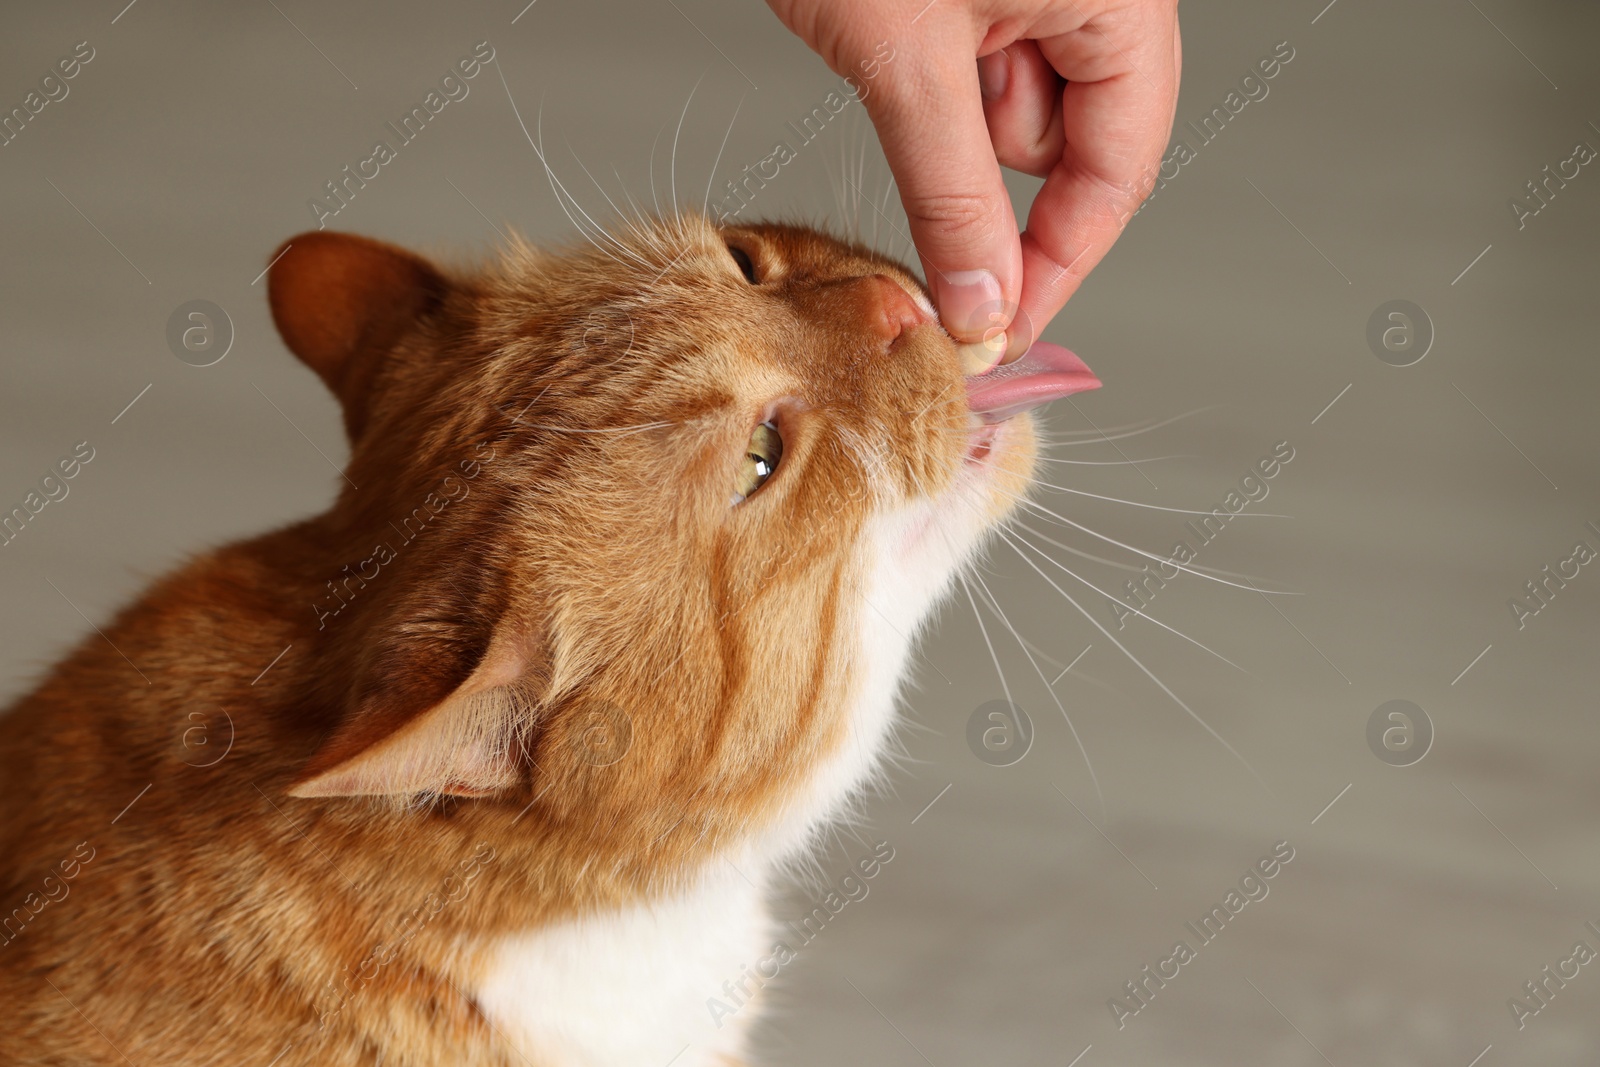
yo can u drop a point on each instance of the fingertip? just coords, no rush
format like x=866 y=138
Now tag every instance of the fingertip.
x=994 y=74
x=971 y=303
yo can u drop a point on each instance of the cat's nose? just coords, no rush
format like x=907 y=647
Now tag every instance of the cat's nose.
x=891 y=310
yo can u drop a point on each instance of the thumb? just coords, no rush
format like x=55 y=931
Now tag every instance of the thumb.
x=929 y=116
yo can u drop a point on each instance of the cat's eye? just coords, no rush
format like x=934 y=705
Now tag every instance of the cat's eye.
x=747 y=266
x=760 y=462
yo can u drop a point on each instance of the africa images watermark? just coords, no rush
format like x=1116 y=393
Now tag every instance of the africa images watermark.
x=1253 y=88
x=1253 y=488
x=738 y=991
x=1252 y=887
x=1554 y=578
x=451 y=489
x=739 y=191
x=53 y=488
x=1541 y=190
x=55 y=890
x=452 y=87
x=1543 y=989
x=53 y=88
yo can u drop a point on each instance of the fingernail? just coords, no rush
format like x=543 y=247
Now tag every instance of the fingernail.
x=980 y=357
x=994 y=72
x=969 y=303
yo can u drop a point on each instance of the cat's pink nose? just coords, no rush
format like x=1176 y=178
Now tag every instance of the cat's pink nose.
x=891 y=310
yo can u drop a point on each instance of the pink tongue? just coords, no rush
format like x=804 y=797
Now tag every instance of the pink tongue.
x=1045 y=372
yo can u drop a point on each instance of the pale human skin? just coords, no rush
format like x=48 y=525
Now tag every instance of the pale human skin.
x=1078 y=92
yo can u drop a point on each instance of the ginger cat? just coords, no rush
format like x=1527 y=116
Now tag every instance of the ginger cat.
x=491 y=763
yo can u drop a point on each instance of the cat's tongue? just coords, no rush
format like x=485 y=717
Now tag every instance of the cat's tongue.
x=1045 y=372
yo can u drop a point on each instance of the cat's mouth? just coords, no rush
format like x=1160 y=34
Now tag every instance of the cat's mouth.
x=1045 y=372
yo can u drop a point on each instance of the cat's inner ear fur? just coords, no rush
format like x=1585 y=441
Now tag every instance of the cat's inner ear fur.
x=343 y=302
x=471 y=743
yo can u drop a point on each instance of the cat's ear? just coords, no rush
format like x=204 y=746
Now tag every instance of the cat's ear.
x=466 y=742
x=342 y=302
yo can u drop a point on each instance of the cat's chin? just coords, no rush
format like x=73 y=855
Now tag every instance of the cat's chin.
x=980 y=442
x=996 y=470
x=998 y=463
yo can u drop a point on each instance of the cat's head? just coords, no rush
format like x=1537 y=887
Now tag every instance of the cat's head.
x=630 y=521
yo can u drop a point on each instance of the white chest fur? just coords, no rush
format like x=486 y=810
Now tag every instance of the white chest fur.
x=632 y=987
x=628 y=988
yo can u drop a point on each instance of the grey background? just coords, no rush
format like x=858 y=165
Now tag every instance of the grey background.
x=1415 y=905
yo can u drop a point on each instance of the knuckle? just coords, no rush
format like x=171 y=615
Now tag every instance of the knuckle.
x=953 y=216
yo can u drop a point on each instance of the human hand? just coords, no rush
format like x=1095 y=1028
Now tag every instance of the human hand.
x=1078 y=92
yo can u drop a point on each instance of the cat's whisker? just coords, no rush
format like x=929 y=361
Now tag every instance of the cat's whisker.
x=1117 y=433
x=1153 y=507
x=836 y=185
x=567 y=201
x=624 y=430
x=1095 y=437
x=1148 y=672
x=944 y=535
x=1133 y=568
x=1041 y=535
x=555 y=183
x=1081 y=675
x=1015 y=525
x=1005 y=686
x=850 y=206
x=597 y=185
x=861 y=177
x=705 y=206
x=880 y=214
x=672 y=170
x=635 y=223
x=875 y=226
x=563 y=195
x=994 y=605
x=1068 y=570
x=654 y=199
x=1108 y=462
x=1201 y=572
x=1194 y=568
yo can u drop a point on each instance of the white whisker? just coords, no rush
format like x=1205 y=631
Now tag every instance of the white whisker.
x=561 y=194
x=592 y=178
x=1115 y=433
x=1201 y=572
x=881 y=215
x=638 y=212
x=1154 y=507
x=1068 y=570
x=1041 y=535
x=605 y=429
x=557 y=184
x=1108 y=462
x=978 y=615
x=705 y=206
x=672 y=170
x=1149 y=673
x=994 y=605
x=1080 y=553
x=654 y=199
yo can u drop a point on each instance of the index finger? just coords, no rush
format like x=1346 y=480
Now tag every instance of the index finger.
x=930 y=122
